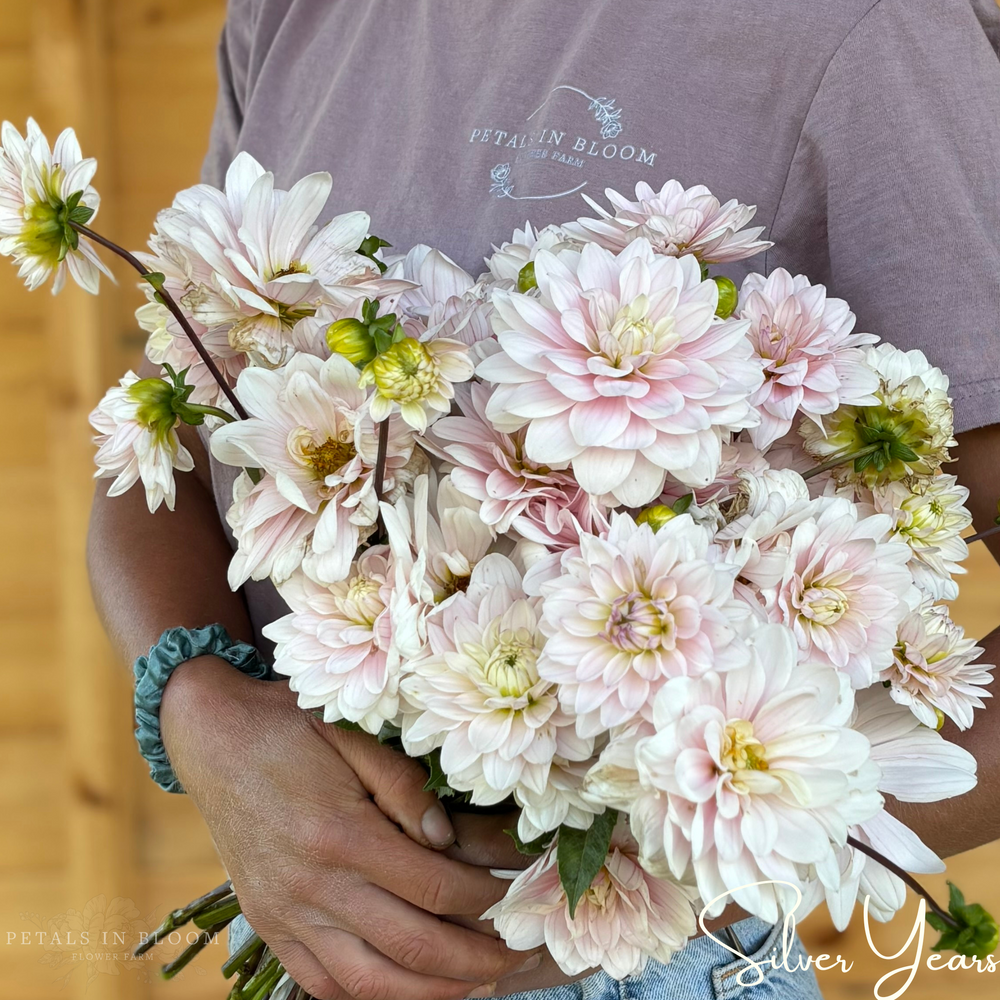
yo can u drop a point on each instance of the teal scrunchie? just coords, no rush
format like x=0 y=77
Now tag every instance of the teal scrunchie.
x=177 y=646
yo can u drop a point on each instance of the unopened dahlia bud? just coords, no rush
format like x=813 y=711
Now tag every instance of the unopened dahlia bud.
x=526 y=277
x=728 y=297
x=352 y=339
x=656 y=516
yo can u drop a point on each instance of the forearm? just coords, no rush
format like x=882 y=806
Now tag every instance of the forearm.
x=150 y=572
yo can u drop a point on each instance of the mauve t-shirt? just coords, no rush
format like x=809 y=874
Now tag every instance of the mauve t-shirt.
x=866 y=132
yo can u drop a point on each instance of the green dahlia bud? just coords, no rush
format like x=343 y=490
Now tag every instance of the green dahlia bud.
x=352 y=339
x=526 y=277
x=728 y=297
x=656 y=516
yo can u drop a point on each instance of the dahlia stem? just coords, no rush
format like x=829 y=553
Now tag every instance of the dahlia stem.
x=906 y=877
x=842 y=460
x=175 y=309
x=980 y=535
x=204 y=938
x=380 y=458
x=177 y=918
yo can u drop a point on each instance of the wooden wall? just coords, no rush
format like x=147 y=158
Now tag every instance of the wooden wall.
x=78 y=819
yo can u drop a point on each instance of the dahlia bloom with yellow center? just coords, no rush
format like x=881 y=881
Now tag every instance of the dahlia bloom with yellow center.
x=310 y=433
x=477 y=694
x=619 y=368
x=625 y=917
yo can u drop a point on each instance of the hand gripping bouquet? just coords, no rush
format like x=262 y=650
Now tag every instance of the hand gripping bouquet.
x=658 y=562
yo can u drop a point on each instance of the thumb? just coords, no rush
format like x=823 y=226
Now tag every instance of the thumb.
x=396 y=783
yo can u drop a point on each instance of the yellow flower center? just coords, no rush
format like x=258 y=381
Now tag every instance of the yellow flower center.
x=823 y=605
x=326 y=457
x=362 y=602
x=510 y=667
x=742 y=751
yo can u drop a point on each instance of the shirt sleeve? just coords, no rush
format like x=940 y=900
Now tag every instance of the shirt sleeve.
x=893 y=194
x=233 y=59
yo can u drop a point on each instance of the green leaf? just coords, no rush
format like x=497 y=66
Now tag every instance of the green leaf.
x=531 y=847
x=73 y=200
x=81 y=215
x=903 y=452
x=976 y=934
x=862 y=462
x=389 y=733
x=370 y=246
x=683 y=503
x=437 y=780
x=156 y=279
x=526 y=277
x=580 y=855
x=351 y=727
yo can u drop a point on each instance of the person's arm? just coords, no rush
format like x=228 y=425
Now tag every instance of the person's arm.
x=332 y=844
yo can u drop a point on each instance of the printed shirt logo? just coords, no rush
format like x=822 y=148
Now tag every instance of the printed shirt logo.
x=572 y=151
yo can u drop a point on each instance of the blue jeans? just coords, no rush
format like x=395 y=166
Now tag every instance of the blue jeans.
x=704 y=970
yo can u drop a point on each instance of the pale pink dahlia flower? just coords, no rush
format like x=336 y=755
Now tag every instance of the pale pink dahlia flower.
x=812 y=361
x=620 y=367
x=626 y=917
x=844 y=589
x=257 y=261
x=632 y=610
x=309 y=431
x=542 y=505
x=933 y=670
x=476 y=693
x=336 y=645
x=675 y=221
x=753 y=775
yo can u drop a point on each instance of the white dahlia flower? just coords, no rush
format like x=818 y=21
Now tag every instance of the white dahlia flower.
x=913 y=410
x=753 y=775
x=445 y=298
x=620 y=367
x=509 y=260
x=632 y=610
x=933 y=670
x=440 y=545
x=336 y=645
x=137 y=439
x=561 y=803
x=917 y=765
x=256 y=261
x=475 y=692
x=310 y=433
x=41 y=191
x=812 y=361
x=626 y=917
x=676 y=221
x=930 y=516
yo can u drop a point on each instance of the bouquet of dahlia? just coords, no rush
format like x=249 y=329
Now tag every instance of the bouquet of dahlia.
x=656 y=560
